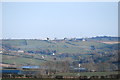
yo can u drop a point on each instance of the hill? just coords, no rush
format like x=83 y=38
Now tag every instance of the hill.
x=86 y=51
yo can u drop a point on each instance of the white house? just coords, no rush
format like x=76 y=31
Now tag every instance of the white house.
x=20 y=51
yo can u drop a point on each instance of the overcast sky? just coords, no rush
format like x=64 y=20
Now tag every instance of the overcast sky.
x=62 y=19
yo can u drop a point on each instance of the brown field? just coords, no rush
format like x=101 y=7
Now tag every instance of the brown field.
x=112 y=42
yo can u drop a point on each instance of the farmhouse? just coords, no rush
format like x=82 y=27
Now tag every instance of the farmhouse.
x=20 y=51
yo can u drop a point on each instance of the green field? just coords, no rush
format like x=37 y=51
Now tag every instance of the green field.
x=61 y=47
x=20 y=60
x=88 y=74
x=91 y=54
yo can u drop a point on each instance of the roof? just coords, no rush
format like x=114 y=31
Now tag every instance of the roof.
x=10 y=71
x=30 y=67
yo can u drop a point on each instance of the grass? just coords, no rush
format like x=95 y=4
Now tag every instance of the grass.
x=88 y=74
x=61 y=47
x=68 y=47
x=20 y=60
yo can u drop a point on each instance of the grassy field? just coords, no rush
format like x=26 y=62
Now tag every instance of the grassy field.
x=20 y=60
x=61 y=47
x=65 y=50
x=88 y=74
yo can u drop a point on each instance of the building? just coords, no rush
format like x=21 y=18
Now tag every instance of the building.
x=20 y=51
x=30 y=67
x=78 y=70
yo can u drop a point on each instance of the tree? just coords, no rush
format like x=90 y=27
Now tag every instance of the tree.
x=92 y=47
x=48 y=38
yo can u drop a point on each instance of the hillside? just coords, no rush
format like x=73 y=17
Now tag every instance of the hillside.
x=88 y=51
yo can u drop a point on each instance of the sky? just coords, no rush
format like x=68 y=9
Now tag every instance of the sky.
x=0 y=20
x=38 y=20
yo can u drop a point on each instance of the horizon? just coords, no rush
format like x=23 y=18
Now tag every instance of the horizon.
x=64 y=37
